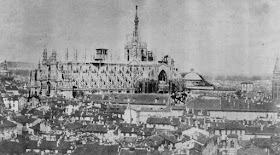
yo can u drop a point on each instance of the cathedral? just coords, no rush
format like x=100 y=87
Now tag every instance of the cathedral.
x=139 y=73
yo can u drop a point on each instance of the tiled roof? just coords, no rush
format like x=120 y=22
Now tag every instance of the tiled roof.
x=4 y=123
x=154 y=140
x=133 y=98
x=227 y=126
x=171 y=139
x=207 y=104
x=36 y=127
x=175 y=121
x=158 y=120
x=11 y=88
x=197 y=147
x=136 y=151
x=64 y=146
x=48 y=145
x=116 y=109
x=9 y=147
x=236 y=104
x=73 y=126
x=96 y=149
x=32 y=144
x=251 y=150
x=231 y=104
x=265 y=130
x=95 y=128
x=146 y=131
x=202 y=139
x=129 y=129
x=261 y=142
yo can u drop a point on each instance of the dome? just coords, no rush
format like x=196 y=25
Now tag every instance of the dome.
x=191 y=76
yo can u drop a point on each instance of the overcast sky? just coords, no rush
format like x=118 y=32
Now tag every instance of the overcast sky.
x=217 y=36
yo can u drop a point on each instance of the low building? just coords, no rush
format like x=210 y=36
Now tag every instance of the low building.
x=162 y=123
x=247 y=86
x=261 y=132
x=228 y=128
x=195 y=82
x=12 y=89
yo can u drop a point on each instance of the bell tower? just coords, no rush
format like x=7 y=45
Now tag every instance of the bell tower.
x=45 y=57
x=276 y=80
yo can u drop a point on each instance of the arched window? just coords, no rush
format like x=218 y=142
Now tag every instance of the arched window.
x=162 y=76
x=231 y=143
x=127 y=55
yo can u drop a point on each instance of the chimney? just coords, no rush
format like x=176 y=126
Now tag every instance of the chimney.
x=57 y=143
x=39 y=142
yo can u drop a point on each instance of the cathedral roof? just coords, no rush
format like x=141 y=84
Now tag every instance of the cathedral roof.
x=192 y=76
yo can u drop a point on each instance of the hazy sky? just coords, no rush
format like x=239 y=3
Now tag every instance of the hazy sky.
x=217 y=36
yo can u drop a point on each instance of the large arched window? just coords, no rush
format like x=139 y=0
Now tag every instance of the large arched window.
x=127 y=55
x=231 y=143
x=162 y=76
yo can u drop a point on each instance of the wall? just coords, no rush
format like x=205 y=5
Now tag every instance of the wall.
x=243 y=115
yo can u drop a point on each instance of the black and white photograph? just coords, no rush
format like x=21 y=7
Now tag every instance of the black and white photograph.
x=139 y=77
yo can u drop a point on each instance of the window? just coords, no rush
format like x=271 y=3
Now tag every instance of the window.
x=231 y=143
x=127 y=55
x=98 y=52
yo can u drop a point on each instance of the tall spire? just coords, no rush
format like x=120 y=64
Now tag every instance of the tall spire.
x=66 y=55
x=277 y=65
x=136 y=21
x=39 y=65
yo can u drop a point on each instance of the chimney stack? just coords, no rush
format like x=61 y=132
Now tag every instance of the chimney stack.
x=262 y=127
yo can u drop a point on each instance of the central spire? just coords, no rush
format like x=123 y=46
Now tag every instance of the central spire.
x=136 y=21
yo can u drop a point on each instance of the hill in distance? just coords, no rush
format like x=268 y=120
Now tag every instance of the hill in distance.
x=13 y=65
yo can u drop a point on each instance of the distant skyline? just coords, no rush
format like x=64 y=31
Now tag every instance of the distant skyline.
x=215 y=37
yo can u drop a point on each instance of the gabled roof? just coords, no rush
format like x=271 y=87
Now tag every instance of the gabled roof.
x=171 y=139
x=158 y=120
x=23 y=119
